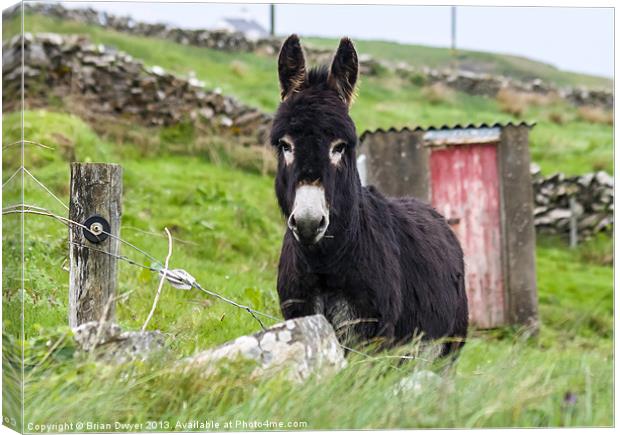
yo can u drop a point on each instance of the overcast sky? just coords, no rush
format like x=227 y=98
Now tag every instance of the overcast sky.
x=574 y=39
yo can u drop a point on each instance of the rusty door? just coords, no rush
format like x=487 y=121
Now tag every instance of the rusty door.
x=465 y=189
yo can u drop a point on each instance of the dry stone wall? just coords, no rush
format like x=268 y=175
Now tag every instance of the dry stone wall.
x=473 y=83
x=115 y=83
x=489 y=85
x=593 y=203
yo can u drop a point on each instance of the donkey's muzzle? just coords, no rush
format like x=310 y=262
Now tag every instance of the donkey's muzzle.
x=308 y=229
x=310 y=217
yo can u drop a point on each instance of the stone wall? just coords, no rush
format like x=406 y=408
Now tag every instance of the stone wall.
x=215 y=39
x=489 y=85
x=112 y=82
x=593 y=206
x=473 y=83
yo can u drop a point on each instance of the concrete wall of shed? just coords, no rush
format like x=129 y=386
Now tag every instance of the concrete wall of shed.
x=396 y=163
x=518 y=232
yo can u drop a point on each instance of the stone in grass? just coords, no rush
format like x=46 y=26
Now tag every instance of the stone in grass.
x=300 y=347
x=418 y=382
x=109 y=343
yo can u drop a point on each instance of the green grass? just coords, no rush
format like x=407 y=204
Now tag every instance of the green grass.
x=227 y=231
x=218 y=215
x=383 y=101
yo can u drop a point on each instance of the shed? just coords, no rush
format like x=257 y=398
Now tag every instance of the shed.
x=478 y=177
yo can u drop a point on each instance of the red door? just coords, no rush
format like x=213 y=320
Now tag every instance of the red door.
x=465 y=189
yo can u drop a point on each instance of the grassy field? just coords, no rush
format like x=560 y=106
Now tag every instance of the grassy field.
x=227 y=231
x=562 y=140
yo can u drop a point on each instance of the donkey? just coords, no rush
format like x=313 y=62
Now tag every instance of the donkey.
x=378 y=268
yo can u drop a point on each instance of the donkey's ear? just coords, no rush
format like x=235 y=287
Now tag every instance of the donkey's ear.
x=343 y=72
x=291 y=66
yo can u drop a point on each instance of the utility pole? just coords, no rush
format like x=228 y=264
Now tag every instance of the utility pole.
x=272 y=19
x=454 y=61
x=453 y=30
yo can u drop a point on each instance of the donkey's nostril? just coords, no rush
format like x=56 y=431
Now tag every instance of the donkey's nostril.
x=321 y=224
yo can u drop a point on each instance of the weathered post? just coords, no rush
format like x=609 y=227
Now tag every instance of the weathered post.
x=95 y=204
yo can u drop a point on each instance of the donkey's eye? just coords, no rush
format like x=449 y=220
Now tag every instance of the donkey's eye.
x=284 y=146
x=339 y=148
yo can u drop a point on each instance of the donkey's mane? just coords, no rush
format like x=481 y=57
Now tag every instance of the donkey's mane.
x=317 y=75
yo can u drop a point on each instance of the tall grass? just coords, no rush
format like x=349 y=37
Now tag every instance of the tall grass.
x=596 y=115
x=504 y=383
x=438 y=93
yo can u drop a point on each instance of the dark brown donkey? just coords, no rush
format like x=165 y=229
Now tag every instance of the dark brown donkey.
x=376 y=267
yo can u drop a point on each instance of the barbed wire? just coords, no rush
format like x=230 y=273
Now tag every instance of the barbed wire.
x=152 y=233
x=44 y=187
x=28 y=142
x=178 y=278
x=17 y=171
x=46 y=212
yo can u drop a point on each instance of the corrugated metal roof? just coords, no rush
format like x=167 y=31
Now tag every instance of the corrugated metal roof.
x=447 y=127
x=460 y=136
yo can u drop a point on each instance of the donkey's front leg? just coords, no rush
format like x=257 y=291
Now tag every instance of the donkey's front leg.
x=389 y=305
x=294 y=306
x=296 y=300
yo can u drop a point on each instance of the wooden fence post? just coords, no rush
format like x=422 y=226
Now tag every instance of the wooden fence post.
x=95 y=201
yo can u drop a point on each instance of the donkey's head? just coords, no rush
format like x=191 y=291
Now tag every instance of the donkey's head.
x=315 y=139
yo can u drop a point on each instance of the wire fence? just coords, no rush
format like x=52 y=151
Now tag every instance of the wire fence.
x=178 y=278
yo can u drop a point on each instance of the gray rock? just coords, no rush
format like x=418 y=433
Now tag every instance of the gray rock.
x=109 y=343
x=37 y=56
x=538 y=211
x=559 y=213
x=417 y=383
x=586 y=180
x=604 y=179
x=206 y=112
x=300 y=347
x=590 y=221
x=604 y=224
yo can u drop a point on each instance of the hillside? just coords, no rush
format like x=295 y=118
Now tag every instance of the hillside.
x=565 y=139
x=417 y=56
x=518 y=67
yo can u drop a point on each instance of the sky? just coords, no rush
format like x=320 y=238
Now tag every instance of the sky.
x=573 y=39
